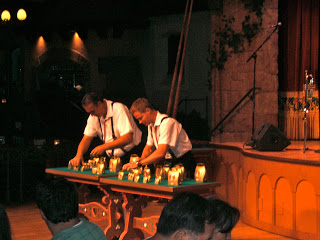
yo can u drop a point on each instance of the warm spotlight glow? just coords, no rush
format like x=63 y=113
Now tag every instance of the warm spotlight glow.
x=41 y=46
x=56 y=142
x=21 y=14
x=4 y=100
x=77 y=44
x=41 y=41
x=76 y=35
x=5 y=15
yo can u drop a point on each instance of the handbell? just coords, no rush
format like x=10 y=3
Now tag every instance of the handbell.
x=131 y=175
x=157 y=180
x=180 y=168
x=134 y=158
x=174 y=177
x=121 y=175
x=158 y=171
x=200 y=173
x=96 y=161
x=100 y=168
x=165 y=170
x=115 y=164
x=145 y=179
x=136 y=178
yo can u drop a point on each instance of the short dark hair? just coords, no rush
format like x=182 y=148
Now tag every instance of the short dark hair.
x=5 y=232
x=91 y=98
x=57 y=199
x=187 y=211
x=226 y=216
x=140 y=105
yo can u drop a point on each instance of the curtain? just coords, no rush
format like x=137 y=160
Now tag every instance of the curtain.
x=298 y=52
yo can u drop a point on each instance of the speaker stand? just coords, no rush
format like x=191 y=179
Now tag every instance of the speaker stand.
x=305 y=132
x=305 y=128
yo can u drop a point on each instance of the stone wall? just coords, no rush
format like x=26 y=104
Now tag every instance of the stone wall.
x=230 y=85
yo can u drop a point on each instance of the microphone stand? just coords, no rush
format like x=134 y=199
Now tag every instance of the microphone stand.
x=305 y=114
x=254 y=56
x=308 y=88
x=253 y=89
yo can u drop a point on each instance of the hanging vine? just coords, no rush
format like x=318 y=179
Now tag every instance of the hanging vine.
x=227 y=41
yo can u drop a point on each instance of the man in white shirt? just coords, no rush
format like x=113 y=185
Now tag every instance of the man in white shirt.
x=113 y=124
x=167 y=141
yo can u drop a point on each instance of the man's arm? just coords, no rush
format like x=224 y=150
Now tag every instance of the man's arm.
x=156 y=155
x=147 y=150
x=82 y=149
x=118 y=143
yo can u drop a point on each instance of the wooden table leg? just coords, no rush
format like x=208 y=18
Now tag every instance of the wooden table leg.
x=115 y=213
x=132 y=207
x=83 y=192
x=110 y=209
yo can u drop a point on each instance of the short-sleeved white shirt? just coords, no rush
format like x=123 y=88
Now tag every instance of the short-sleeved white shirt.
x=123 y=123
x=169 y=132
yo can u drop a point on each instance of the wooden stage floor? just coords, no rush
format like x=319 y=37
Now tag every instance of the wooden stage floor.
x=292 y=152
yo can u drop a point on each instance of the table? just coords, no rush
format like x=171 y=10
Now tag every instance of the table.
x=78 y=176
x=125 y=200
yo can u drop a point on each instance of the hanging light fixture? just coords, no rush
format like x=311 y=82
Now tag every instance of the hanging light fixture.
x=5 y=16
x=21 y=14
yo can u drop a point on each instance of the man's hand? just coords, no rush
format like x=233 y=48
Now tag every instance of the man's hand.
x=76 y=161
x=98 y=151
x=129 y=166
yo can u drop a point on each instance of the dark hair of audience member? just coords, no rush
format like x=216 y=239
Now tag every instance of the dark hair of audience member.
x=226 y=216
x=58 y=200
x=5 y=232
x=187 y=211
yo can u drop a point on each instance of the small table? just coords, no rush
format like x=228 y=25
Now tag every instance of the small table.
x=125 y=199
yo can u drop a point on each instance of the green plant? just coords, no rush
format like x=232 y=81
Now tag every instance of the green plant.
x=296 y=104
x=254 y=6
x=227 y=41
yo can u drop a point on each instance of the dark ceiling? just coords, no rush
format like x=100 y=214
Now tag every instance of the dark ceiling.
x=130 y=13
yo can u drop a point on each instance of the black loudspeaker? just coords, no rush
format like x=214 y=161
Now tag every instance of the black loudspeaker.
x=269 y=138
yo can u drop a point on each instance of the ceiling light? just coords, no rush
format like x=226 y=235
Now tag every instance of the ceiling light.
x=21 y=14
x=5 y=15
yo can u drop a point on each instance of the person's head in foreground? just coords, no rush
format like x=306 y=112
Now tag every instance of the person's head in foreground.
x=226 y=217
x=186 y=217
x=57 y=200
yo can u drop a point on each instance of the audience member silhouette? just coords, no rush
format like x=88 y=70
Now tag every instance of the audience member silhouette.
x=186 y=216
x=57 y=200
x=5 y=232
x=226 y=217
